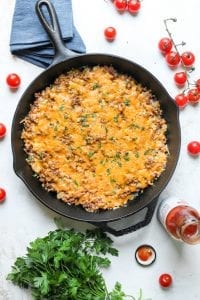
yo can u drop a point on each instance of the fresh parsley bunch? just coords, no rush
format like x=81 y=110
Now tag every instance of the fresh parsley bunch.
x=66 y=265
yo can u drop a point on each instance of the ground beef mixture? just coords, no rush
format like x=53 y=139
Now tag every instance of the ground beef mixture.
x=96 y=138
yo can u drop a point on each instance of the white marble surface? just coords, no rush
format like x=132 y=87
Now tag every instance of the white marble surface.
x=22 y=218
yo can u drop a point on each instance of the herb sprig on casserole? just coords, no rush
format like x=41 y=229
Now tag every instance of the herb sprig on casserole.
x=95 y=137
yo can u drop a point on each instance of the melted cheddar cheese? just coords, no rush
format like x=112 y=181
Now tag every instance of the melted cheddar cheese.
x=96 y=138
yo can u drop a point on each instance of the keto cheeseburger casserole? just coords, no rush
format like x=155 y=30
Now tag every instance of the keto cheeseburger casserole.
x=96 y=138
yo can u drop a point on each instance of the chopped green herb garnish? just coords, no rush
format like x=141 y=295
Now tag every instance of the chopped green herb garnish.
x=102 y=102
x=54 y=125
x=103 y=161
x=117 y=155
x=112 y=180
x=83 y=118
x=90 y=154
x=108 y=171
x=70 y=147
x=127 y=156
x=106 y=129
x=62 y=107
x=93 y=115
x=96 y=86
x=75 y=183
x=99 y=145
x=116 y=118
x=119 y=164
x=127 y=102
x=30 y=158
x=41 y=155
x=148 y=151
x=136 y=153
x=117 y=158
x=112 y=138
x=134 y=126
x=83 y=121
x=79 y=148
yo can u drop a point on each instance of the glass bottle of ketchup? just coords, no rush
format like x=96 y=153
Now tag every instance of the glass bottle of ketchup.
x=180 y=220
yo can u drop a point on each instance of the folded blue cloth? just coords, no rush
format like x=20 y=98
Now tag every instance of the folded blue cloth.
x=29 y=40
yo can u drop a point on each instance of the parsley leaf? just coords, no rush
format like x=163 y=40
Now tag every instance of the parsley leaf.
x=67 y=264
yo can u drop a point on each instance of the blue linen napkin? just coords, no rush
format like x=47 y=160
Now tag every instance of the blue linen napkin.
x=29 y=40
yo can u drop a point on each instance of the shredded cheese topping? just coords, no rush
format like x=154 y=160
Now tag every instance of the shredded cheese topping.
x=96 y=138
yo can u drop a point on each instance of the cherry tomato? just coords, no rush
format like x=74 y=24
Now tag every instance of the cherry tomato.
x=188 y=58
x=193 y=148
x=110 y=33
x=193 y=96
x=134 y=6
x=180 y=78
x=198 y=85
x=172 y=59
x=181 y=100
x=165 y=45
x=2 y=130
x=2 y=195
x=13 y=80
x=165 y=280
x=120 y=5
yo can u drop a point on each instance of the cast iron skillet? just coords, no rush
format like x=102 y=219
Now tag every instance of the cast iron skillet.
x=65 y=60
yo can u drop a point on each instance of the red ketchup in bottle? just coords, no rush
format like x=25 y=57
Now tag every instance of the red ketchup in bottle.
x=180 y=220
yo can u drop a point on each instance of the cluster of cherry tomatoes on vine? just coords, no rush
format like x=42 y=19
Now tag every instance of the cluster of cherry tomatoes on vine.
x=13 y=81
x=191 y=92
x=185 y=60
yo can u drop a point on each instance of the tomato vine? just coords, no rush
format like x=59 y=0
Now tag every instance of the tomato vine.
x=174 y=58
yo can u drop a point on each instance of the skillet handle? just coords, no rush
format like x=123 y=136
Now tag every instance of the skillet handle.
x=52 y=28
x=129 y=224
